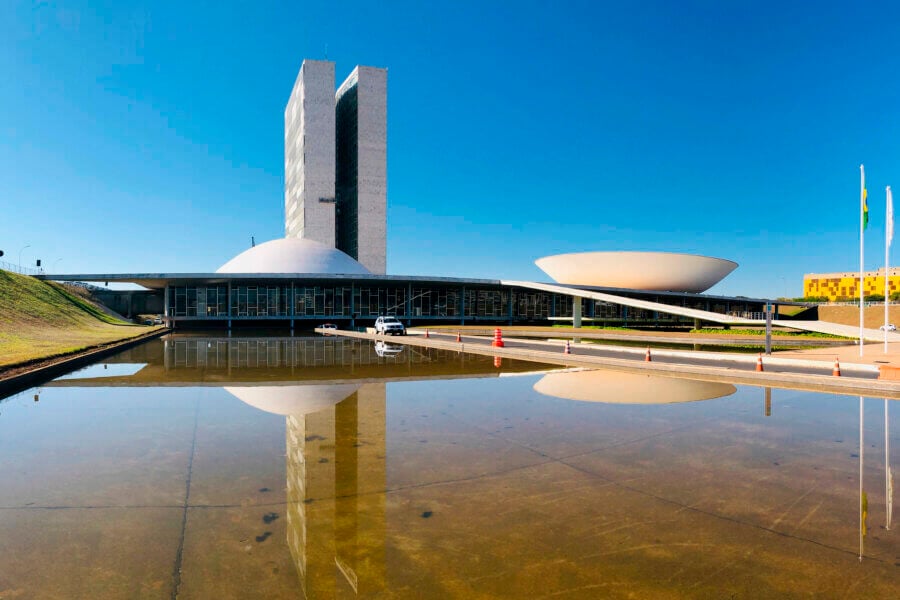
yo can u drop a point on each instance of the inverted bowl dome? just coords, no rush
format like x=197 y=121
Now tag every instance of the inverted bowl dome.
x=652 y=271
x=293 y=399
x=293 y=255
x=615 y=387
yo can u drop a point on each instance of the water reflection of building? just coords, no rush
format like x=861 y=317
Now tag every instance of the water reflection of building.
x=190 y=352
x=618 y=387
x=335 y=437
x=336 y=481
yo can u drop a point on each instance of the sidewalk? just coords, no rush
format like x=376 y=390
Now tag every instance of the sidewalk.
x=873 y=354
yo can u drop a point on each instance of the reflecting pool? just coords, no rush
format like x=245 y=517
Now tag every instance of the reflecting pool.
x=209 y=467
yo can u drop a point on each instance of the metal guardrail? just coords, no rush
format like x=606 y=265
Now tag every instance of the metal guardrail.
x=750 y=315
x=6 y=266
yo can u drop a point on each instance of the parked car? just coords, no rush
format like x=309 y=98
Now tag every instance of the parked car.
x=389 y=326
x=328 y=326
x=158 y=321
x=888 y=327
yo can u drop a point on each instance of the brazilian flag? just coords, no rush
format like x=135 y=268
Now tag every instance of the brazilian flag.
x=865 y=214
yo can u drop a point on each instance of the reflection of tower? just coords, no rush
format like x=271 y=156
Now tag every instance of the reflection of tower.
x=768 y=402
x=335 y=488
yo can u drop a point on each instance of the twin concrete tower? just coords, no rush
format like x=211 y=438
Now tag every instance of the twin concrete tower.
x=335 y=161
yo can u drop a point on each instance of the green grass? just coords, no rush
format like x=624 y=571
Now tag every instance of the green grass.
x=804 y=334
x=605 y=328
x=40 y=319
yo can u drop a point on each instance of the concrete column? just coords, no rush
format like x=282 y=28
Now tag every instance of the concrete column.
x=462 y=306
x=696 y=323
x=408 y=304
x=576 y=312
x=166 y=305
x=352 y=305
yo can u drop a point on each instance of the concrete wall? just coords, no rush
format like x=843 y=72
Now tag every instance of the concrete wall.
x=129 y=303
x=372 y=175
x=309 y=154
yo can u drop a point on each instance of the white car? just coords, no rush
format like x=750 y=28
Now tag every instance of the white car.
x=330 y=326
x=389 y=326
x=888 y=327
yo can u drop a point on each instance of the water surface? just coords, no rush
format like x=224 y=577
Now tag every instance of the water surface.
x=201 y=467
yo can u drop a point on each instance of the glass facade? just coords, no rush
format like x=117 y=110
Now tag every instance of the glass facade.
x=198 y=301
x=416 y=302
x=346 y=173
x=259 y=301
x=322 y=301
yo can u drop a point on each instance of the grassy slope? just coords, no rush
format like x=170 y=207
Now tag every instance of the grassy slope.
x=849 y=315
x=41 y=319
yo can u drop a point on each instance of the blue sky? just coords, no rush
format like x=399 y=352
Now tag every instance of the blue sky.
x=140 y=137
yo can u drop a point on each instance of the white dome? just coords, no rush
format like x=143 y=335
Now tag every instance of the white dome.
x=293 y=255
x=652 y=271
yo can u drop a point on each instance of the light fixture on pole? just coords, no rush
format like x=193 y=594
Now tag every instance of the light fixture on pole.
x=20 y=256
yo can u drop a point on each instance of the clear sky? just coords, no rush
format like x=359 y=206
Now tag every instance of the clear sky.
x=148 y=137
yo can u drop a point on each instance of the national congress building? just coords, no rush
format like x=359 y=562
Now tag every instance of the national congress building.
x=332 y=264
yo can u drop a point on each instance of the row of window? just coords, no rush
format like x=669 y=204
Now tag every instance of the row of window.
x=410 y=302
x=272 y=353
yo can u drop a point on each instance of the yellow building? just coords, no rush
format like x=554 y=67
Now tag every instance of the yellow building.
x=845 y=286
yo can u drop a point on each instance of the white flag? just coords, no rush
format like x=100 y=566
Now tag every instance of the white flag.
x=889 y=219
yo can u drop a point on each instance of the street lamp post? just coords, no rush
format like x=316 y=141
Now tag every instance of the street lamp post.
x=20 y=257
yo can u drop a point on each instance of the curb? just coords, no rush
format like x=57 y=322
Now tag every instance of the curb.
x=69 y=363
x=879 y=388
x=748 y=358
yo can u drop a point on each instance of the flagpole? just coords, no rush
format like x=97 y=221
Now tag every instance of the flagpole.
x=862 y=205
x=888 y=236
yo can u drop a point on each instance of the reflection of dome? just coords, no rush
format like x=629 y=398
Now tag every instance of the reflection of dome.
x=293 y=399
x=655 y=271
x=616 y=387
x=293 y=255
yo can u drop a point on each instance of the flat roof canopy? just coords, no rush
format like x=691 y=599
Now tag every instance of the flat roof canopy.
x=158 y=281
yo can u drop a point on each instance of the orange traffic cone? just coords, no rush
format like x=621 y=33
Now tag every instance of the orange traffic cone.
x=759 y=366
x=567 y=349
x=498 y=361
x=647 y=356
x=498 y=339
x=458 y=338
x=837 y=368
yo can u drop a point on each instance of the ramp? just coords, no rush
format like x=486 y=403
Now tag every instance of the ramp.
x=870 y=335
